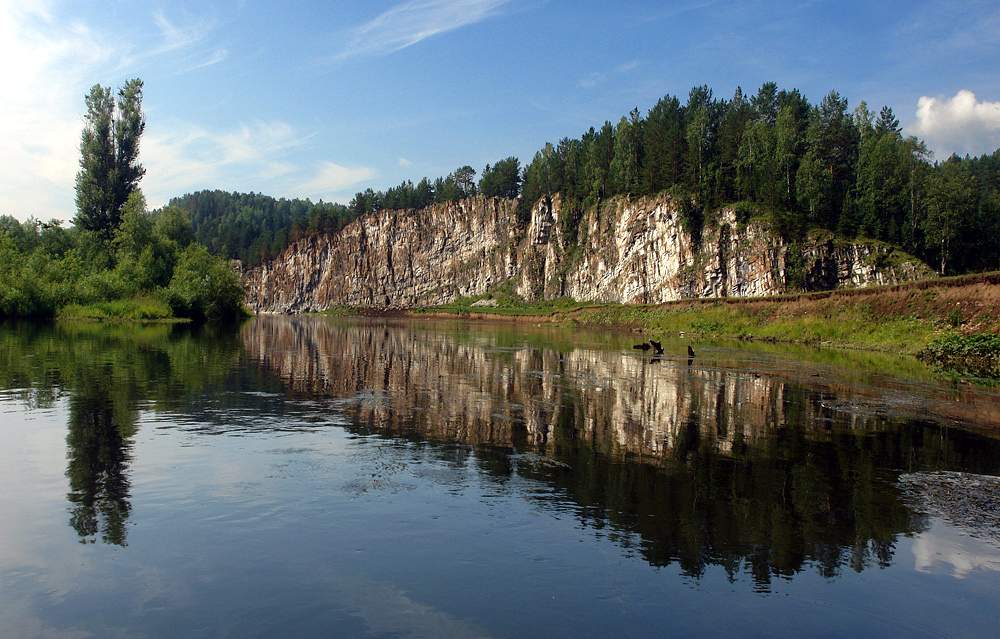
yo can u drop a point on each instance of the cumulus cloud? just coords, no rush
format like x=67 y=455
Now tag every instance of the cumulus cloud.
x=331 y=179
x=959 y=124
x=408 y=23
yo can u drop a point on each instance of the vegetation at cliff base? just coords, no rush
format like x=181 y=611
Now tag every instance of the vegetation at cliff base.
x=118 y=260
x=976 y=354
x=953 y=322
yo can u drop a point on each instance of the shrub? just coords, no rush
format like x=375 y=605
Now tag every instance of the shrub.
x=204 y=287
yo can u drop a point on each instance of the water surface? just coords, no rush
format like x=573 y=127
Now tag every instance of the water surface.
x=311 y=477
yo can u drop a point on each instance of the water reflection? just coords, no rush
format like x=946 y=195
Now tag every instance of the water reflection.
x=689 y=465
x=684 y=464
x=98 y=447
x=107 y=374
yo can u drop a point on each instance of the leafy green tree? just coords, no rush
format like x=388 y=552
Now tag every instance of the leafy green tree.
x=766 y=103
x=864 y=121
x=597 y=166
x=465 y=180
x=757 y=176
x=135 y=232
x=831 y=141
x=540 y=180
x=174 y=224
x=109 y=150
x=790 y=126
x=503 y=179
x=951 y=205
x=699 y=136
x=204 y=287
x=737 y=115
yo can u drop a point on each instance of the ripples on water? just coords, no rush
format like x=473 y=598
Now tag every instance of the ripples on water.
x=305 y=476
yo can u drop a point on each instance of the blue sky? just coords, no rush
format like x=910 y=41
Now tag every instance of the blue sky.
x=321 y=99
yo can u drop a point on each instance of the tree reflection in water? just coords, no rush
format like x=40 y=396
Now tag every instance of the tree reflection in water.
x=99 y=451
x=106 y=373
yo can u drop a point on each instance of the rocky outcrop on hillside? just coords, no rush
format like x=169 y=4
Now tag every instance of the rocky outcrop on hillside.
x=627 y=250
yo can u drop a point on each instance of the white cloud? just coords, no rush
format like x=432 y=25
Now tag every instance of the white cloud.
x=332 y=178
x=50 y=64
x=181 y=157
x=960 y=124
x=945 y=549
x=40 y=95
x=591 y=80
x=404 y=163
x=413 y=21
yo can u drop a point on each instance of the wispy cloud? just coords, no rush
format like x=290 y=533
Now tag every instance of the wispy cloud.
x=413 y=21
x=331 y=179
x=183 y=157
x=174 y=37
x=215 y=57
x=52 y=60
x=404 y=163
x=44 y=67
x=596 y=78
x=959 y=124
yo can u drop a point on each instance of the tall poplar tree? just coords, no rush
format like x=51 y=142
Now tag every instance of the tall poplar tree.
x=109 y=156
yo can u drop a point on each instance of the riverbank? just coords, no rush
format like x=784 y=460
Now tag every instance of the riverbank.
x=951 y=322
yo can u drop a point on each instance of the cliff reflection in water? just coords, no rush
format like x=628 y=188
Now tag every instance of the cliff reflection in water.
x=691 y=465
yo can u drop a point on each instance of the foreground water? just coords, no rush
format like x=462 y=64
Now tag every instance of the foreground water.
x=305 y=477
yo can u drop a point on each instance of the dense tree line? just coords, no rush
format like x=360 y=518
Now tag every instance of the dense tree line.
x=804 y=165
x=254 y=227
x=772 y=153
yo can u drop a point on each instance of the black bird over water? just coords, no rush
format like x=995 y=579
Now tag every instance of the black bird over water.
x=690 y=352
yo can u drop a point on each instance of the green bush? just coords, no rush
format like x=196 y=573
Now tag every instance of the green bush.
x=141 y=273
x=204 y=287
x=977 y=354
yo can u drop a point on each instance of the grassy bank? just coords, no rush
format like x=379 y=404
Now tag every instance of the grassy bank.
x=907 y=318
x=142 y=309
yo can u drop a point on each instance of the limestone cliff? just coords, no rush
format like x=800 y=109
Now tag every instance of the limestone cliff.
x=628 y=250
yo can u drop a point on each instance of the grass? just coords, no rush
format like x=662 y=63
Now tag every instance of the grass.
x=144 y=309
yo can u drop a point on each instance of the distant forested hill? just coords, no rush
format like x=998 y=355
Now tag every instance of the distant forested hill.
x=253 y=227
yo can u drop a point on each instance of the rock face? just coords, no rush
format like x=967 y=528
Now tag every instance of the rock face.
x=628 y=250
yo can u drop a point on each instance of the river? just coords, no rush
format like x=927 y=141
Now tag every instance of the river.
x=396 y=478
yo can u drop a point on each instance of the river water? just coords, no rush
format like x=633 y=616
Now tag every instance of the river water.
x=319 y=477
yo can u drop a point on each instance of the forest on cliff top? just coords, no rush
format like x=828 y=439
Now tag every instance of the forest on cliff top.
x=804 y=165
